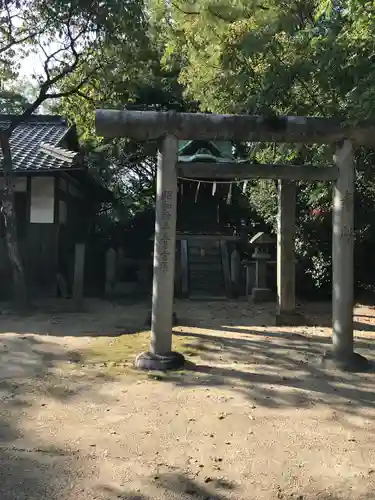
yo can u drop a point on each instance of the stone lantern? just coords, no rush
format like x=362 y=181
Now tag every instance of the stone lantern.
x=261 y=255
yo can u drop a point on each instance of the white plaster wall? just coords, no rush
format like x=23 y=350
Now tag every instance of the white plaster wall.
x=42 y=200
x=19 y=184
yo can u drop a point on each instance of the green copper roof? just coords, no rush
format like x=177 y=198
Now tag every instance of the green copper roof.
x=194 y=151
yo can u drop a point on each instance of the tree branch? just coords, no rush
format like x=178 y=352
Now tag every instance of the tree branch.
x=20 y=41
x=76 y=88
x=19 y=38
x=189 y=13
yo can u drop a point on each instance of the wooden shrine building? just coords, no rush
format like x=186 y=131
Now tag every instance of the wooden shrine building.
x=56 y=199
x=205 y=235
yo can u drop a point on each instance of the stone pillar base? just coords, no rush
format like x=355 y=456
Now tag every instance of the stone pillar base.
x=354 y=363
x=262 y=295
x=290 y=318
x=161 y=362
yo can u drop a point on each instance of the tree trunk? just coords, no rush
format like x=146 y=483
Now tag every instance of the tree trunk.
x=7 y=209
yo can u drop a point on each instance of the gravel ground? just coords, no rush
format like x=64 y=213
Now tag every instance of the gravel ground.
x=253 y=416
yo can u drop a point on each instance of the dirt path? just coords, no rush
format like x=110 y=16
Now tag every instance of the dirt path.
x=254 y=416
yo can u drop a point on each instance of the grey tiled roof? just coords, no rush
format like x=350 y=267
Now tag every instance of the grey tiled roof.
x=28 y=139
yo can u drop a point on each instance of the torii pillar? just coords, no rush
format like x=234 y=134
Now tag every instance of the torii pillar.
x=286 y=233
x=160 y=355
x=342 y=354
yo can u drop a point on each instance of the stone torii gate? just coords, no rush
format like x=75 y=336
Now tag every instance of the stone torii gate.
x=169 y=127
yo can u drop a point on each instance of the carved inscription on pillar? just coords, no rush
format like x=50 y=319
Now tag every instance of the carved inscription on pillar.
x=346 y=201
x=165 y=238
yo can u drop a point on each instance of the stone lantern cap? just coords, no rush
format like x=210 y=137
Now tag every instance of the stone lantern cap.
x=262 y=240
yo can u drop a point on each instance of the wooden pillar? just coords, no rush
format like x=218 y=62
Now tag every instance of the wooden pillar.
x=79 y=273
x=110 y=270
x=160 y=356
x=226 y=268
x=286 y=229
x=250 y=278
x=184 y=269
x=235 y=272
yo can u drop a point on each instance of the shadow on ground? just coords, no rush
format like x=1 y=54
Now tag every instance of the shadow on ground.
x=103 y=318
x=29 y=375
x=179 y=486
x=231 y=346
x=275 y=369
x=245 y=314
x=29 y=474
x=60 y=318
x=24 y=357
